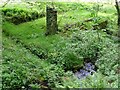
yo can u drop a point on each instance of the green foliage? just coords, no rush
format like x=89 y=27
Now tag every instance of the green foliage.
x=69 y=81
x=108 y=61
x=18 y=15
x=100 y=50
x=21 y=65
x=95 y=9
x=97 y=80
x=83 y=46
x=16 y=71
x=66 y=7
x=23 y=69
x=86 y=43
x=67 y=59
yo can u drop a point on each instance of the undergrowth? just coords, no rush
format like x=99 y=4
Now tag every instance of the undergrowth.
x=30 y=59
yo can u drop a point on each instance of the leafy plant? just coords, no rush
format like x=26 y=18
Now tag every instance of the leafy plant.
x=18 y=15
x=21 y=69
x=69 y=81
x=108 y=61
x=97 y=80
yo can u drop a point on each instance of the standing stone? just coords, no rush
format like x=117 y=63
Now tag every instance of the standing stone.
x=51 y=21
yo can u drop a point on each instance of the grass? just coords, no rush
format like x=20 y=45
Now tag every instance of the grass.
x=32 y=33
x=24 y=42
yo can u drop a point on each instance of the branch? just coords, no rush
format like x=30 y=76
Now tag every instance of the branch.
x=6 y=3
x=118 y=11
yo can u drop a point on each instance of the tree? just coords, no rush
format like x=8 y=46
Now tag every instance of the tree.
x=118 y=11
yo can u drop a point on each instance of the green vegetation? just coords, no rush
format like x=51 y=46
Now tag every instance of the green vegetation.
x=87 y=32
x=22 y=69
x=18 y=13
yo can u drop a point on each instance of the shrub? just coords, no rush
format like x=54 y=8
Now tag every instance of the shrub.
x=17 y=15
x=65 y=57
x=86 y=43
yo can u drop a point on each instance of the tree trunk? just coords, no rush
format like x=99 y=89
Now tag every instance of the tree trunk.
x=118 y=11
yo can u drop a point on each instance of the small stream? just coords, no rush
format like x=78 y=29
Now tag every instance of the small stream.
x=88 y=69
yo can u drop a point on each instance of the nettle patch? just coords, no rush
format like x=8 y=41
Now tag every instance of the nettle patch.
x=19 y=15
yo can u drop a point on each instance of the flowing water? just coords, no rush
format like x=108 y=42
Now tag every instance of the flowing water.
x=88 y=69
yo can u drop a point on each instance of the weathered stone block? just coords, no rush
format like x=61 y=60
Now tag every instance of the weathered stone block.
x=51 y=21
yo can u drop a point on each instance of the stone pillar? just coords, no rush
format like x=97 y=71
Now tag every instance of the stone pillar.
x=51 y=21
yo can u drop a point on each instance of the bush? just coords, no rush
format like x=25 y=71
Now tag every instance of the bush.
x=65 y=57
x=87 y=44
x=17 y=15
